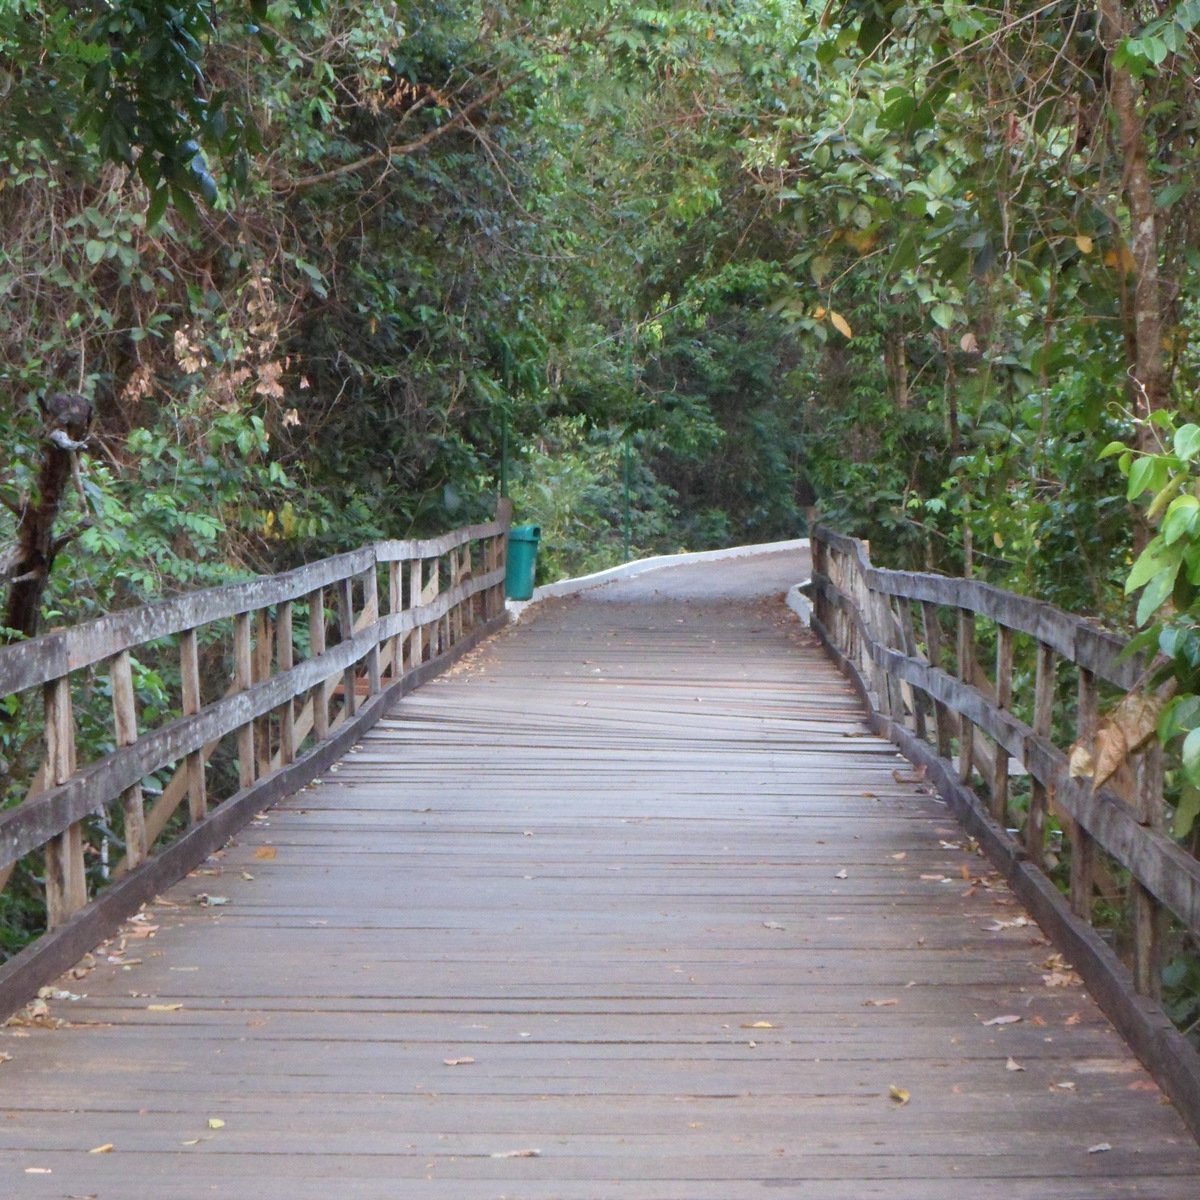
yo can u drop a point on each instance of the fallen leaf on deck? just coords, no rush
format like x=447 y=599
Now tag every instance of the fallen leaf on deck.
x=934 y=878
x=1099 y=1148
x=517 y=1154
x=759 y=1025
x=458 y=1062
x=141 y=931
x=1066 y=1085
x=900 y=1095
x=1013 y=1065
x=842 y=874
x=965 y=872
x=107 y=1148
x=247 y=876
x=163 y=1007
x=264 y=853
x=215 y=1123
x=38 y=1171
x=1143 y=1085
x=901 y=856
x=1015 y=923
x=1008 y=1019
x=211 y=901
x=880 y=1003
x=191 y=1142
x=773 y=925
x=1062 y=979
x=1074 y=1019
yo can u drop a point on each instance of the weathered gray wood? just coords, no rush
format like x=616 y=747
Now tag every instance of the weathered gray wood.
x=66 y=882
x=243 y=682
x=197 y=791
x=965 y=669
x=1043 y=717
x=1083 y=845
x=317 y=648
x=285 y=639
x=125 y=726
x=1004 y=696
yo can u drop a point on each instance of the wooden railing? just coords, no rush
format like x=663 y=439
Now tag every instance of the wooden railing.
x=272 y=680
x=998 y=745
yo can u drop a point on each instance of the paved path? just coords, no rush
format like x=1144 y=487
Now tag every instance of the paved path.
x=630 y=907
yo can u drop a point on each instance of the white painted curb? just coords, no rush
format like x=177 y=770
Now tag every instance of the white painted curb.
x=631 y=570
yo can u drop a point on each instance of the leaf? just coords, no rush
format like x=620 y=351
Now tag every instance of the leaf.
x=1100 y=1148
x=1013 y=1065
x=842 y=874
x=215 y=1123
x=901 y=1095
x=841 y=325
x=1186 y=812
x=1085 y=243
x=94 y=251
x=1080 y=763
x=1191 y=756
x=943 y=315
x=880 y=1003
x=466 y=1061
x=265 y=853
x=107 y=1148
x=1186 y=443
x=760 y=1025
x=1008 y=1019
x=163 y=1007
x=518 y=1154
x=773 y=925
x=1113 y=448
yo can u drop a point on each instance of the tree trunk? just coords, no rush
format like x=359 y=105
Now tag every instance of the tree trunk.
x=26 y=566
x=1147 y=368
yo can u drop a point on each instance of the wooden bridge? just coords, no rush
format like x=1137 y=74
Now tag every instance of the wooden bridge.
x=629 y=902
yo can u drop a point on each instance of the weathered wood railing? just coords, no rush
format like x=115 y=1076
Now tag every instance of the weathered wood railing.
x=273 y=678
x=996 y=743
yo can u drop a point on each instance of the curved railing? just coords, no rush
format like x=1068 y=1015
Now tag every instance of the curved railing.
x=1004 y=746
x=271 y=681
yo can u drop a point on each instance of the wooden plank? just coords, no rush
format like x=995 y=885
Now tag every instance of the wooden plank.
x=243 y=681
x=197 y=792
x=1041 y=794
x=66 y=880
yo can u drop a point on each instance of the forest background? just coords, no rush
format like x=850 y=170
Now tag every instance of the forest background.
x=327 y=273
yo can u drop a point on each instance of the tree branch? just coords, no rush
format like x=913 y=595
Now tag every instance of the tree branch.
x=401 y=149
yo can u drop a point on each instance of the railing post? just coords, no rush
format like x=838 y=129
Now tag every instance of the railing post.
x=1004 y=695
x=966 y=673
x=371 y=615
x=933 y=643
x=345 y=606
x=316 y=646
x=1149 y=917
x=286 y=653
x=66 y=877
x=1043 y=723
x=243 y=679
x=1083 y=845
x=125 y=726
x=189 y=674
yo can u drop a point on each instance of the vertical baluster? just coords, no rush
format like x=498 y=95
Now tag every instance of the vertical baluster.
x=1043 y=721
x=316 y=644
x=371 y=617
x=1149 y=917
x=416 y=597
x=243 y=678
x=933 y=643
x=125 y=726
x=920 y=700
x=262 y=672
x=1083 y=845
x=66 y=877
x=286 y=653
x=345 y=608
x=189 y=673
x=395 y=606
x=966 y=672
x=1004 y=694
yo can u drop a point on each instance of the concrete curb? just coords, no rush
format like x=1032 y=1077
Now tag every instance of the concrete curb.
x=583 y=583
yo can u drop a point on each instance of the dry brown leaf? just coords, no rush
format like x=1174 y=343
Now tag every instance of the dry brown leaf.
x=900 y=1095
x=965 y=872
x=266 y=853
x=1125 y=731
x=759 y=1025
x=1062 y=979
x=107 y=1148
x=841 y=324
x=1080 y=763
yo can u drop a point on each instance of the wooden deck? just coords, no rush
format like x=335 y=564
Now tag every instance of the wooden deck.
x=629 y=906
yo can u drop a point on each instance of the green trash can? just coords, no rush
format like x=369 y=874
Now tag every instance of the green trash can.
x=522 y=561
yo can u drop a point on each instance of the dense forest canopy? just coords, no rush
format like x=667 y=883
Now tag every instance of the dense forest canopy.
x=325 y=272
